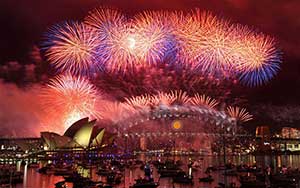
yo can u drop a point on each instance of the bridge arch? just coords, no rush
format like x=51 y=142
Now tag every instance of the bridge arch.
x=189 y=126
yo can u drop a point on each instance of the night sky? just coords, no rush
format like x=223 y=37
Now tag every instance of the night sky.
x=24 y=21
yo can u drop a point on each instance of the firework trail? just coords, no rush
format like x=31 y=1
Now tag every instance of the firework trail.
x=240 y=114
x=162 y=98
x=68 y=99
x=71 y=47
x=139 y=102
x=177 y=97
x=103 y=19
x=204 y=100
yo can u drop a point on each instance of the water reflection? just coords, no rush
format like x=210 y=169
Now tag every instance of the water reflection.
x=32 y=179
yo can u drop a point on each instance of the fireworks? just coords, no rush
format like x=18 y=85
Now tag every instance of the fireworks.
x=208 y=45
x=216 y=47
x=104 y=19
x=67 y=99
x=124 y=44
x=139 y=102
x=152 y=60
x=71 y=47
x=154 y=38
x=204 y=100
x=260 y=60
x=163 y=99
x=240 y=114
x=204 y=42
x=177 y=97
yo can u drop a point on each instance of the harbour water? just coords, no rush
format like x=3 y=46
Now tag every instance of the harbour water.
x=33 y=179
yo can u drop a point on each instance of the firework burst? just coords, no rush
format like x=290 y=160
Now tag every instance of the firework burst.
x=154 y=37
x=162 y=99
x=139 y=102
x=198 y=40
x=203 y=100
x=179 y=97
x=104 y=19
x=67 y=99
x=240 y=114
x=71 y=47
x=159 y=53
x=217 y=47
x=259 y=60
x=204 y=42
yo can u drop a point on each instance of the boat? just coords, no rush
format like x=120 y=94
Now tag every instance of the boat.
x=207 y=179
x=251 y=182
x=33 y=165
x=114 y=178
x=168 y=169
x=46 y=170
x=72 y=177
x=103 y=171
x=63 y=171
x=145 y=183
x=61 y=184
x=230 y=173
x=183 y=178
x=85 y=183
x=168 y=172
x=282 y=180
x=56 y=170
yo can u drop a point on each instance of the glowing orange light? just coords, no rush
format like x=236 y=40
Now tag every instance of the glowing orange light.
x=177 y=125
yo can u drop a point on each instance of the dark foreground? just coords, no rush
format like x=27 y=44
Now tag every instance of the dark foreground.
x=184 y=171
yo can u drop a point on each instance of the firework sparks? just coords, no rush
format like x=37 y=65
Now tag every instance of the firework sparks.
x=179 y=97
x=204 y=42
x=140 y=102
x=206 y=51
x=217 y=47
x=240 y=114
x=259 y=60
x=162 y=99
x=127 y=46
x=104 y=18
x=71 y=47
x=67 y=99
x=204 y=100
x=210 y=45
x=154 y=37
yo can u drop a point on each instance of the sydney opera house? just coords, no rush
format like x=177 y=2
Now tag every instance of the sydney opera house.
x=82 y=134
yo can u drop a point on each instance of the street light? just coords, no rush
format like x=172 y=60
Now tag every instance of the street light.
x=126 y=143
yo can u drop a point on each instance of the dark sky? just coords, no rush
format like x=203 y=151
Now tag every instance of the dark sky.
x=24 y=21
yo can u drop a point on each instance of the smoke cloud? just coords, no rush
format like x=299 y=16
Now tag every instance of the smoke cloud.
x=19 y=111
